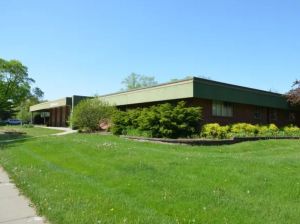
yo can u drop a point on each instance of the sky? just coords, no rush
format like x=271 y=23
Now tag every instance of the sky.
x=88 y=47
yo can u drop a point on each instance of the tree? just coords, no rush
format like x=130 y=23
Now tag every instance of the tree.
x=189 y=77
x=293 y=96
x=14 y=86
x=23 y=109
x=134 y=81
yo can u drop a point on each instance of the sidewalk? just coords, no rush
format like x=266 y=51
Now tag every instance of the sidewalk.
x=65 y=130
x=14 y=208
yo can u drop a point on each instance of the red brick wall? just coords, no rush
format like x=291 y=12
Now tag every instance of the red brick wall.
x=59 y=116
x=241 y=113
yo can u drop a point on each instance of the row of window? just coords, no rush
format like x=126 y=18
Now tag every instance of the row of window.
x=225 y=109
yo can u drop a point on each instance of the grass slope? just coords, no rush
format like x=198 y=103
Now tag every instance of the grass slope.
x=104 y=179
x=19 y=132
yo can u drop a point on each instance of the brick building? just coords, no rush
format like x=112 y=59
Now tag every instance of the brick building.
x=221 y=102
x=57 y=111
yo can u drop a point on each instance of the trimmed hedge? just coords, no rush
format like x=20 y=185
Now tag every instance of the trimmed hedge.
x=214 y=130
x=162 y=121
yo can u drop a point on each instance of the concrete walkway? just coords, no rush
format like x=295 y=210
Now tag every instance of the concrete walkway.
x=14 y=208
x=66 y=131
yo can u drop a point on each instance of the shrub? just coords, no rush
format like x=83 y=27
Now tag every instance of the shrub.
x=89 y=113
x=119 y=122
x=214 y=130
x=291 y=130
x=163 y=120
x=244 y=129
x=268 y=130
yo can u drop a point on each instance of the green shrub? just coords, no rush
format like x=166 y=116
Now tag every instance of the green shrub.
x=244 y=129
x=89 y=113
x=291 y=130
x=163 y=120
x=214 y=130
x=268 y=130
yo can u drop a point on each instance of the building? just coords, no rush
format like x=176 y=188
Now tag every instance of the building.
x=57 y=111
x=222 y=103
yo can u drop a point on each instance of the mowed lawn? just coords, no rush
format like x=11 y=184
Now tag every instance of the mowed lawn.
x=83 y=178
x=20 y=132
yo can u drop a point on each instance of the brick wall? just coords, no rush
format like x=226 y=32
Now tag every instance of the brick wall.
x=241 y=113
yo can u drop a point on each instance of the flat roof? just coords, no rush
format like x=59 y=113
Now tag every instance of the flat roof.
x=66 y=101
x=198 y=88
x=51 y=104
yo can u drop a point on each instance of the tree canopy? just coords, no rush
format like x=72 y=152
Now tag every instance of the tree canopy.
x=134 y=81
x=293 y=96
x=15 y=86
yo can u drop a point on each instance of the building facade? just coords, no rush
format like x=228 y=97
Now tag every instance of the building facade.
x=220 y=102
x=58 y=111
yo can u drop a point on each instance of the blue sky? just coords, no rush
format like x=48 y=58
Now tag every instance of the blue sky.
x=88 y=47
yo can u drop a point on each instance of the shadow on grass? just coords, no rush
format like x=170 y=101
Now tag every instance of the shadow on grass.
x=11 y=137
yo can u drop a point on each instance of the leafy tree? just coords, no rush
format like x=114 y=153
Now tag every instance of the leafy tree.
x=23 y=109
x=14 y=86
x=134 y=81
x=293 y=96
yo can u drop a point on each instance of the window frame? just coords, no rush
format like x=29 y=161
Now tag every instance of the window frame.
x=222 y=109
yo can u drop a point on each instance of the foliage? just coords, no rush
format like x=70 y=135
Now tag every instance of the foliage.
x=14 y=86
x=244 y=129
x=291 y=130
x=214 y=130
x=134 y=81
x=89 y=113
x=163 y=120
x=293 y=96
x=35 y=97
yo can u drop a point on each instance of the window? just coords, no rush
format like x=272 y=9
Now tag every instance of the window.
x=222 y=109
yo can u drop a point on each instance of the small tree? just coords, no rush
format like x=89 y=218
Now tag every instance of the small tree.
x=134 y=81
x=293 y=96
x=23 y=109
x=89 y=113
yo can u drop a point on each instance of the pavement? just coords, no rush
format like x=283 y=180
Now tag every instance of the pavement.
x=14 y=207
x=65 y=130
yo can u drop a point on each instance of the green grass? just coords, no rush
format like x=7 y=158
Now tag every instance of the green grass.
x=19 y=132
x=82 y=178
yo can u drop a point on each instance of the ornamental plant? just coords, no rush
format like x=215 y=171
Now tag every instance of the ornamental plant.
x=89 y=113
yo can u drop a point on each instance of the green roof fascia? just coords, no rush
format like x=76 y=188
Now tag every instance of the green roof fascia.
x=213 y=90
x=170 y=91
x=67 y=101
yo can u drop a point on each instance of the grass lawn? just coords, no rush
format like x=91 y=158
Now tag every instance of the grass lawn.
x=82 y=178
x=19 y=132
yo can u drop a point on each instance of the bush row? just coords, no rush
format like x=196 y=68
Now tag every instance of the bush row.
x=215 y=130
x=162 y=121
